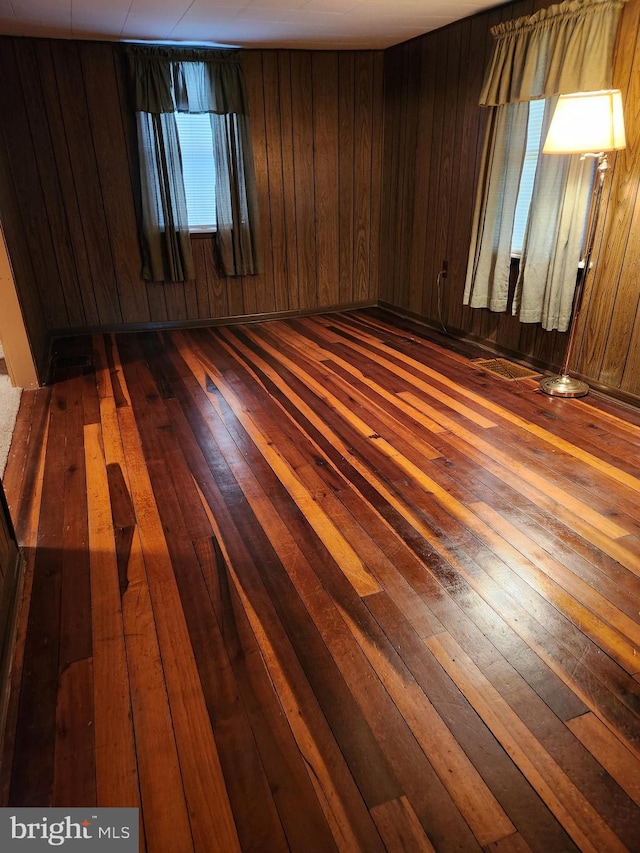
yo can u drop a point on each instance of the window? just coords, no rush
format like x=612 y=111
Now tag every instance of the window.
x=198 y=166
x=525 y=191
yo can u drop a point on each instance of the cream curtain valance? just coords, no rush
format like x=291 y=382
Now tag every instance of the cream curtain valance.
x=565 y=48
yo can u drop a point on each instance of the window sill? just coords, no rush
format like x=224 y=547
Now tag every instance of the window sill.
x=203 y=232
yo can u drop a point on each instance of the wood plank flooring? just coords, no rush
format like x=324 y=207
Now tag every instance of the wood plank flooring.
x=322 y=584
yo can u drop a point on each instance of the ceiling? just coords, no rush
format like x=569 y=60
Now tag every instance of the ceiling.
x=309 y=24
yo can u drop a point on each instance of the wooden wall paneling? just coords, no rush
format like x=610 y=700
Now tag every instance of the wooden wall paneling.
x=275 y=172
x=70 y=291
x=406 y=188
x=201 y=247
x=288 y=174
x=218 y=292
x=64 y=173
x=548 y=345
x=191 y=295
x=476 y=119
x=157 y=302
x=86 y=181
x=390 y=286
x=440 y=154
x=233 y=289
x=27 y=200
x=618 y=368
x=453 y=124
x=389 y=154
x=629 y=369
x=303 y=152
x=508 y=329
x=154 y=294
x=175 y=296
x=258 y=290
x=376 y=181
x=602 y=289
x=422 y=173
x=327 y=165
x=103 y=105
x=365 y=185
x=348 y=126
x=397 y=215
x=472 y=69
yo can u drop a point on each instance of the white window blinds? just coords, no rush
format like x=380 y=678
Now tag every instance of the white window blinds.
x=199 y=174
x=525 y=191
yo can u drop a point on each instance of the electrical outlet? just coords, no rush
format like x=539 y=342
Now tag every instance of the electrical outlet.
x=444 y=270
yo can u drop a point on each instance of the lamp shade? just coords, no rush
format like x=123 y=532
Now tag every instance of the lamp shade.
x=586 y=122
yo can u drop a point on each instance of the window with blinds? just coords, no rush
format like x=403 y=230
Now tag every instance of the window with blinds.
x=525 y=191
x=199 y=172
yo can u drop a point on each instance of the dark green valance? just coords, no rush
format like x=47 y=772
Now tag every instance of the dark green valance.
x=169 y=80
x=186 y=80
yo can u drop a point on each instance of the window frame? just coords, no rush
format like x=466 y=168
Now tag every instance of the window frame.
x=195 y=228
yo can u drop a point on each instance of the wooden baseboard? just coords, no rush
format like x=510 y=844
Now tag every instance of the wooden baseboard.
x=631 y=400
x=212 y=321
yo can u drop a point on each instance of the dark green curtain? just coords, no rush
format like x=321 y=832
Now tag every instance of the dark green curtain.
x=166 y=80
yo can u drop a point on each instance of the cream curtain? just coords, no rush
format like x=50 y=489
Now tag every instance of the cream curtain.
x=565 y=48
x=554 y=239
x=489 y=269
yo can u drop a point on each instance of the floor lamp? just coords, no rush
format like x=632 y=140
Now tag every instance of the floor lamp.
x=591 y=124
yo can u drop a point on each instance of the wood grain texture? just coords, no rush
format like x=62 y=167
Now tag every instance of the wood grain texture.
x=433 y=142
x=339 y=589
x=68 y=161
x=367 y=164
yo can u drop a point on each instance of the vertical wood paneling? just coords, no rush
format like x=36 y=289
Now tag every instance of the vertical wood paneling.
x=392 y=210
x=257 y=290
x=69 y=166
x=285 y=91
x=86 y=178
x=25 y=196
x=362 y=243
x=346 y=178
x=303 y=155
x=612 y=312
x=274 y=145
x=103 y=103
x=423 y=168
x=325 y=143
x=47 y=174
x=439 y=184
x=376 y=201
x=446 y=145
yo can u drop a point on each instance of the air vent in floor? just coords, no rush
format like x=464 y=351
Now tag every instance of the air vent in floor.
x=504 y=368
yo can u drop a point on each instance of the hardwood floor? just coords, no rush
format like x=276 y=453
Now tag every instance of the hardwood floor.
x=324 y=584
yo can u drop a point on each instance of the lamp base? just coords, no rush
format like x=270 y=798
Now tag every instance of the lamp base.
x=564 y=386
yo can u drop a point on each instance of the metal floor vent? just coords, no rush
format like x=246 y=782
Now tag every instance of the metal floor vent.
x=67 y=361
x=504 y=368
x=65 y=367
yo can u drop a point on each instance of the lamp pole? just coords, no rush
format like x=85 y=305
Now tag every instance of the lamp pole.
x=564 y=385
